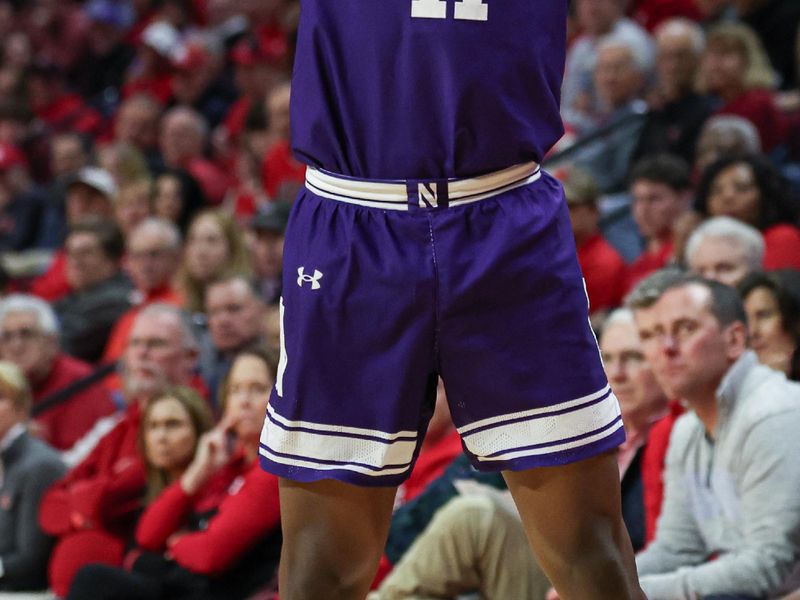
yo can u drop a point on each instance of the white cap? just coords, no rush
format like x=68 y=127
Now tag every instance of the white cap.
x=162 y=37
x=97 y=179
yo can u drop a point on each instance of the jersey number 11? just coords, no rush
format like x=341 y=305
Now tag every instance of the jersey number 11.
x=466 y=10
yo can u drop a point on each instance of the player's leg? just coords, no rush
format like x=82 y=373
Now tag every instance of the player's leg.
x=333 y=537
x=573 y=520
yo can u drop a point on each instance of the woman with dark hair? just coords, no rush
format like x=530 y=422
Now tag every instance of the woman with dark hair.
x=749 y=188
x=177 y=198
x=214 y=532
x=772 y=303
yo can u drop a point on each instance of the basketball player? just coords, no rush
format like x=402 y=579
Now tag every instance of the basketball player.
x=428 y=241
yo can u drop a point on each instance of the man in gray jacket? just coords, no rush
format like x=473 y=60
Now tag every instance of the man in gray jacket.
x=730 y=518
x=27 y=468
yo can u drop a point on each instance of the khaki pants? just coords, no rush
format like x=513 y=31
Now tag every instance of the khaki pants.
x=472 y=545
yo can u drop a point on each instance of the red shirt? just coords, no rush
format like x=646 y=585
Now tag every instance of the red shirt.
x=237 y=116
x=604 y=273
x=280 y=167
x=653 y=462
x=104 y=490
x=52 y=285
x=431 y=463
x=647 y=263
x=66 y=423
x=758 y=107
x=782 y=247
x=214 y=181
x=650 y=13
x=246 y=499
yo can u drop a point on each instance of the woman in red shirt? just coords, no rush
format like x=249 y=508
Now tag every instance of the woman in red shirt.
x=215 y=532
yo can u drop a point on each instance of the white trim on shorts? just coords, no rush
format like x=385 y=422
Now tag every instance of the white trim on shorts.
x=393 y=195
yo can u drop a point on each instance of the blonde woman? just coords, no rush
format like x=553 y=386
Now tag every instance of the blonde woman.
x=214 y=245
x=736 y=69
x=29 y=467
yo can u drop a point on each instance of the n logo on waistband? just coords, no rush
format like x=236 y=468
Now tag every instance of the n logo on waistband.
x=428 y=194
x=312 y=279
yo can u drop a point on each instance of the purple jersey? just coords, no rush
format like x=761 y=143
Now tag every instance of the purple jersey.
x=398 y=89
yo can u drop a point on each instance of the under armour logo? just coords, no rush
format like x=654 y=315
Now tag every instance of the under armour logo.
x=312 y=279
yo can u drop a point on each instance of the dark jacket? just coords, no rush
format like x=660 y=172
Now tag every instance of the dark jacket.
x=29 y=468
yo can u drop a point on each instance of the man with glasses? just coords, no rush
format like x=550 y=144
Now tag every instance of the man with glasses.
x=29 y=338
x=101 y=292
x=732 y=474
x=152 y=260
x=94 y=508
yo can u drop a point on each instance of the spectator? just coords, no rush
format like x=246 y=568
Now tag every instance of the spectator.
x=735 y=447
x=136 y=124
x=151 y=72
x=723 y=136
x=257 y=69
x=177 y=198
x=677 y=112
x=748 y=188
x=100 y=290
x=736 y=70
x=153 y=257
x=269 y=230
x=125 y=163
x=29 y=338
x=90 y=195
x=58 y=108
x=213 y=246
x=134 y=204
x=22 y=205
x=776 y=23
x=772 y=304
x=725 y=250
x=69 y=153
x=108 y=52
x=29 y=468
x=93 y=509
x=477 y=543
x=282 y=175
x=232 y=552
x=661 y=193
x=183 y=140
x=597 y=19
x=619 y=78
x=235 y=322
x=172 y=424
x=603 y=268
x=196 y=82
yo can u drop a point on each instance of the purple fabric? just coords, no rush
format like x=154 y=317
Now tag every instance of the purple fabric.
x=379 y=94
x=489 y=295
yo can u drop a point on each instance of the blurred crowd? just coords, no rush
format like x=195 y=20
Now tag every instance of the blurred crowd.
x=146 y=181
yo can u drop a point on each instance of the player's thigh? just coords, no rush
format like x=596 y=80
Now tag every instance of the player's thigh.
x=566 y=508
x=321 y=518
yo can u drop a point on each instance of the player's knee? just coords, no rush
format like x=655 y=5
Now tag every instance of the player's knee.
x=330 y=581
x=317 y=570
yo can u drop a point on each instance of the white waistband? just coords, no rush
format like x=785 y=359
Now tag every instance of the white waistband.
x=395 y=195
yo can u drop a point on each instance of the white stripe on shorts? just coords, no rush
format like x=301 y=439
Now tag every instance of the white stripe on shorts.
x=545 y=431
x=394 y=195
x=336 y=447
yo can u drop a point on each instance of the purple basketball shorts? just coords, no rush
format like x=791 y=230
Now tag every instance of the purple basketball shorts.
x=388 y=284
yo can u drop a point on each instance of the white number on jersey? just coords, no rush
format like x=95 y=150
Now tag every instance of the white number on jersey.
x=466 y=10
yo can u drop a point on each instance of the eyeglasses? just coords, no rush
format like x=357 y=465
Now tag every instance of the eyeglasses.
x=25 y=334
